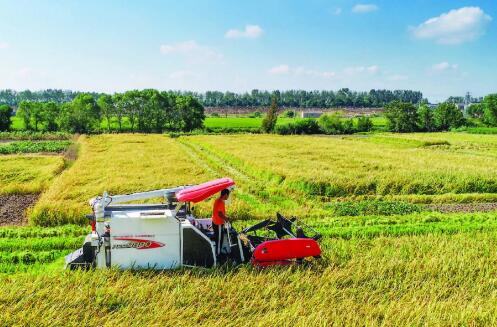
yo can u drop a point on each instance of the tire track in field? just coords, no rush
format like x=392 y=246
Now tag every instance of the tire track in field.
x=217 y=168
x=255 y=185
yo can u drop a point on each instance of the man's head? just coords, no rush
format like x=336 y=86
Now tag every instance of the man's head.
x=225 y=194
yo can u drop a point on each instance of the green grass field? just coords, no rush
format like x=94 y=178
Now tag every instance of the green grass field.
x=387 y=260
x=246 y=123
x=241 y=122
x=214 y=123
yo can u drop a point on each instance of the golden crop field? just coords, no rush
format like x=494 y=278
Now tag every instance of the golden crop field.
x=119 y=164
x=28 y=173
x=296 y=175
x=422 y=280
x=382 y=164
x=384 y=262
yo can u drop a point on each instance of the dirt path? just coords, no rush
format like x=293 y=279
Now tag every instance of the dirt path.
x=463 y=207
x=13 y=208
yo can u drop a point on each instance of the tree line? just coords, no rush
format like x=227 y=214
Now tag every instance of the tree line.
x=256 y=98
x=307 y=99
x=405 y=117
x=14 y=98
x=142 y=111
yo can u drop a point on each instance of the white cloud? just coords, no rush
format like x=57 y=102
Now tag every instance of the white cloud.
x=397 y=77
x=455 y=27
x=314 y=73
x=444 y=66
x=250 y=32
x=4 y=45
x=279 y=70
x=300 y=71
x=364 y=8
x=373 y=69
x=182 y=74
x=24 y=72
x=191 y=50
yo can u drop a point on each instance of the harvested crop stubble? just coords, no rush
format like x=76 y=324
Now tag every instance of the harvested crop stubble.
x=377 y=165
x=118 y=164
x=27 y=174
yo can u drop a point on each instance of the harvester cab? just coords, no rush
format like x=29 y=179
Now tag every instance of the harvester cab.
x=168 y=236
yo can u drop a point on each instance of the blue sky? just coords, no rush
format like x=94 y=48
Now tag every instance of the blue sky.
x=439 y=47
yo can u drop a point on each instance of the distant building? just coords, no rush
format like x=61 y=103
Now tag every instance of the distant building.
x=304 y=114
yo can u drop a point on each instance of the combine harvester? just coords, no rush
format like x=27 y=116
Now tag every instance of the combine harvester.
x=168 y=236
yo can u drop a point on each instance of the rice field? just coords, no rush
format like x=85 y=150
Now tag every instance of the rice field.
x=117 y=164
x=28 y=174
x=378 y=165
x=296 y=175
x=411 y=278
x=387 y=259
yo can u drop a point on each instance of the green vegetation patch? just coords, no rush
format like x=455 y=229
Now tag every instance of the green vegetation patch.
x=364 y=208
x=34 y=147
x=31 y=135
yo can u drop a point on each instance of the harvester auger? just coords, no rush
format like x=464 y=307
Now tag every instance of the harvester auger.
x=168 y=235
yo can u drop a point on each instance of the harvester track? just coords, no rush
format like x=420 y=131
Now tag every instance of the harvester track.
x=263 y=192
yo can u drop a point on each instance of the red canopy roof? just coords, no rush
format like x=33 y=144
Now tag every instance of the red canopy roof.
x=203 y=191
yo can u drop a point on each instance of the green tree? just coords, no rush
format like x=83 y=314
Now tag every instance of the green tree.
x=162 y=106
x=24 y=113
x=426 y=120
x=490 y=109
x=269 y=121
x=107 y=108
x=120 y=111
x=364 y=124
x=402 y=116
x=144 y=109
x=476 y=110
x=81 y=115
x=5 y=115
x=51 y=111
x=171 y=112
x=331 y=123
x=191 y=113
x=288 y=114
x=447 y=115
x=130 y=104
x=31 y=114
x=37 y=114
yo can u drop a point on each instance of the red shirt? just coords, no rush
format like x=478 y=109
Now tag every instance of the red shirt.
x=218 y=206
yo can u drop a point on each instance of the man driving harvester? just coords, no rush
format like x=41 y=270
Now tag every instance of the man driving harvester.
x=219 y=219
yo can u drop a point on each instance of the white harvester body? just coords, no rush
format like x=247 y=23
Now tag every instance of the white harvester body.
x=152 y=236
